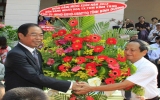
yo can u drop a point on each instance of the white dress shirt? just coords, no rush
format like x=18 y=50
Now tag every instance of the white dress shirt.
x=151 y=38
x=146 y=77
x=154 y=52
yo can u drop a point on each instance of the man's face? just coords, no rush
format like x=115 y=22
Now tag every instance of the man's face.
x=133 y=53
x=158 y=27
x=33 y=38
x=141 y=19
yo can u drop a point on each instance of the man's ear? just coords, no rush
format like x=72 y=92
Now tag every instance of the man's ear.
x=20 y=35
x=144 y=52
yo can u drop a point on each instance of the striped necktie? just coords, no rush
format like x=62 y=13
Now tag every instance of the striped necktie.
x=36 y=57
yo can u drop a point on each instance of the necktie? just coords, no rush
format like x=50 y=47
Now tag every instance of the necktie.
x=127 y=95
x=36 y=57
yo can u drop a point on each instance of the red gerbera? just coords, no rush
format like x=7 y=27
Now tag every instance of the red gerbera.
x=80 y=60
x=109 y=81
x=67 y=59
x=98 y=48
x=89 y=57
x=72 y=98
x=62 y=68
x=89 y=98
x=50 y=62
x=77 y=40
x=73 y=22
x=68 y=37
x=102 y=57
x=90 y=65
x=62 y=32
x=111 y=41
x=95 y=38
x=114 y=66
x=76 y=46
x=75 y=31
x=121 y=58
x=92 y=71
x=111 y=61
x=115 y=73
x=54 y=35
x=87 y=39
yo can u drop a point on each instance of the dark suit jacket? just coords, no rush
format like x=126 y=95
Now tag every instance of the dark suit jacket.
x=21 y=71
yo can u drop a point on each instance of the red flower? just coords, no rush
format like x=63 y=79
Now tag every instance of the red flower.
x=111 y=61
x=92 y=71
x=128 y=88
x=73 y=22
x=54 y=35
x=75 y=31
x=62 y=32
x=87 y=39
x=102 y=57
x=50 y=62
x=89 y=57
x=77 y=40
x=109 y=81
x=68 y=37
x=114 y=66
x=62 y=68
x=80 y=60
x=95 y=38
x=115 y=73
x=90 y=65
x=76 y=46
x=111 y=41
x=121 y=58
x=72 y=98
x=67 y=59
x=89 y=98
x=98 y=48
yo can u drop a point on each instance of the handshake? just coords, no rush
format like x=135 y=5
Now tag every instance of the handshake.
x=81 y=87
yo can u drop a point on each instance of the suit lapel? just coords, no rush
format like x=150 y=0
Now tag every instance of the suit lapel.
x=28 y=53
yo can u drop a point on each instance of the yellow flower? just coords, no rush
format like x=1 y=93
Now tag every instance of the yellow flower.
x=82 y=75
x=88 y=52
x=65 y=74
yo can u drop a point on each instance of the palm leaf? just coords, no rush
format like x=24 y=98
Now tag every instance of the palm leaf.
x=86 y=23
x=100 y=27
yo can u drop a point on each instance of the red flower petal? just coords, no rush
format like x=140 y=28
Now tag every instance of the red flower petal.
x=68 y=37
x=121 y=58
x=67 y=59
x=111 y=41
x=98 y=48
x=75 y=31
x=95 y=38
x=76 y=46
x=73 y=22
x=109 y=81
x=62 y=32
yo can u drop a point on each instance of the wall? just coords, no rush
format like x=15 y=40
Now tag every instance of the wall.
x=47 y=3
x=118 y=15
x=21 y=11
x=146 y=8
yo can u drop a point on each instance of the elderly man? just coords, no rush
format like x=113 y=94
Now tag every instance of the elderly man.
x=154 y=33
x=145 y=76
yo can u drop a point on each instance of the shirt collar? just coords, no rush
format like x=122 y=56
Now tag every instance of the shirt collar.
x=28 y=48
x=139 y=61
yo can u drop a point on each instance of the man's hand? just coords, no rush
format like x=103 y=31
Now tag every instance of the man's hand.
x=75 y=86
x=85 y=88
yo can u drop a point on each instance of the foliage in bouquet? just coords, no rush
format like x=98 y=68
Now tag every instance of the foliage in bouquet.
x=84 y=49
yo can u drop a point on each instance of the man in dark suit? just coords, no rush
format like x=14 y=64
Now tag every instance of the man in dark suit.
x=21 y=68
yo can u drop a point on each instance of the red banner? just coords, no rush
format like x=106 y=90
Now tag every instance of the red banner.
x=82 y=9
